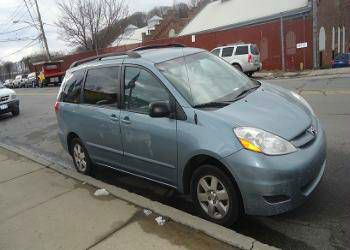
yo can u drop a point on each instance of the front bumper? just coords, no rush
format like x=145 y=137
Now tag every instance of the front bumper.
x=273 y=185
x=11 y=106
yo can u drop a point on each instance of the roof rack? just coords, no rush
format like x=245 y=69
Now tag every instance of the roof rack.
x=160 y=46
x=132 y=54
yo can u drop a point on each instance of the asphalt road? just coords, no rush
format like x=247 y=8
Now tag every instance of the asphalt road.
x=323 y=222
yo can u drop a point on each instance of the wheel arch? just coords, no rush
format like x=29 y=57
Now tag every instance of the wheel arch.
x=70 y=137
x=198 y=160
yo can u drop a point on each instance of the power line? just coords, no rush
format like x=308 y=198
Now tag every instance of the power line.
x=28 y=45
x=18 y=39
x=14 y=16
x=31 y=16
x=13 y=31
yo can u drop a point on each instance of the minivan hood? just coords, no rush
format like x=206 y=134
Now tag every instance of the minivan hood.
x=270 y=108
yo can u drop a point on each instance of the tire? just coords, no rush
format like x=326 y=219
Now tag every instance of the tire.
x=15 y=112
x=80 y=155
x=229 y=203
x=238 y=67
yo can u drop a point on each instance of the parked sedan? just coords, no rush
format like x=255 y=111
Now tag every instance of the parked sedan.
x=341 y=61
x=8 y=83
x=9 y=102
x=32 y=80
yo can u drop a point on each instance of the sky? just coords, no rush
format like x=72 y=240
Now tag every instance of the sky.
x=15 y=10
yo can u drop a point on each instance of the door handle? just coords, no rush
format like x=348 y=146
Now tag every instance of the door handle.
x=113 y=117
x=126 y=120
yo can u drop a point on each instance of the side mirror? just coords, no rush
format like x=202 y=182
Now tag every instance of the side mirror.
x=159 y=109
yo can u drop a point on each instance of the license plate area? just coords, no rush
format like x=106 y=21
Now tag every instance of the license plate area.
x=3 y=106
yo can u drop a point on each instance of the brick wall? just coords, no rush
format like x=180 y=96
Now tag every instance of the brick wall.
x=266 y=36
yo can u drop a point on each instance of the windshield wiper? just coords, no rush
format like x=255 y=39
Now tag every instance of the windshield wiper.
x=212 y=105
x=245 y=92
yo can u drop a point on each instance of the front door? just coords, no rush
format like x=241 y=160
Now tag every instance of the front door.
x=99 y=113
x=150 y=147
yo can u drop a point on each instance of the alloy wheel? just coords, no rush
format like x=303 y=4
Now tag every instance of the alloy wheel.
x=213 y=197
x=80 y=158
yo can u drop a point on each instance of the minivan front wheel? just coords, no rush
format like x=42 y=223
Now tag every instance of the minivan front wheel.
x=215 y=196
x=80 y=157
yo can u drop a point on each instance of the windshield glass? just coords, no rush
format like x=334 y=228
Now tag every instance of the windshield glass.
x=204 y=78
x=1 y=86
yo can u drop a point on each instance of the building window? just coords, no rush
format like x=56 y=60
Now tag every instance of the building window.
x=291 y=43
x=172 y=33
x=322 y=40
x=264 y=49
x=339 y=41
x=344 y=49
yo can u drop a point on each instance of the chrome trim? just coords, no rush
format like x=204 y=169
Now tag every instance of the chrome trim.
x=104 y=148
x=150 y=160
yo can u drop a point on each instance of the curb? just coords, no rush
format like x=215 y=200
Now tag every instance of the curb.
x=270 y=76
x=213 y=230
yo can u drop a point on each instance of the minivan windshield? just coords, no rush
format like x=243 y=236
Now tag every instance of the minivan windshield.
x=204 y=78
x=1 y=86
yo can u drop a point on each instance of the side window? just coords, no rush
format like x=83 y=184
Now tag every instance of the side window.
x=71 y=87
x=241 y=50
x=216 y=52
x=227 y=52
x=142 y=88
x=101 y=86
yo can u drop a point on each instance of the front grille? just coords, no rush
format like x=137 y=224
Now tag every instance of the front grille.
x=303 y=139
x=4 y=98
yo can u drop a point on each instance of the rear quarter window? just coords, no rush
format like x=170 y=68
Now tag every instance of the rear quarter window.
x=241 y=50
x=71 y=87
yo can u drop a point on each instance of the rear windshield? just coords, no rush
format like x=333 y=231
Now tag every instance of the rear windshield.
x=254 y=49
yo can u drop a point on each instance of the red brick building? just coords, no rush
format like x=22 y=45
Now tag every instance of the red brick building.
x=333 y=29
x=283 y=30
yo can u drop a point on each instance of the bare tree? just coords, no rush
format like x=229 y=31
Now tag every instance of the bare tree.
x=87 y=23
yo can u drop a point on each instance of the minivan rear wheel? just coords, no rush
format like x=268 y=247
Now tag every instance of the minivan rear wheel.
x=215 y=196
x=80 y=157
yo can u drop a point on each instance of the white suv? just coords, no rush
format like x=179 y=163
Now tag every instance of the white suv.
x=245 y=57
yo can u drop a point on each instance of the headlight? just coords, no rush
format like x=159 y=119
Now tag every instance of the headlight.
x=260 y=141
x=304 y=102
x=13 y=97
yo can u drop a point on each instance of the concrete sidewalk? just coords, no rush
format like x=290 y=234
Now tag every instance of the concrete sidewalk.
x=43 y=209
x=305 y=73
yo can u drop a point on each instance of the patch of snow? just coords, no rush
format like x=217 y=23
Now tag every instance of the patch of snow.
x=147 y=212
x=101 y=192
x=160 y=220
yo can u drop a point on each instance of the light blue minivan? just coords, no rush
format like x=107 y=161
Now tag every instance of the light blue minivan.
x=185 y=118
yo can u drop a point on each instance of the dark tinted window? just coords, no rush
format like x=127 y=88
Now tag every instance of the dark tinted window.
x=71 y=87
x=227 y=52
x=241 y=50
x=216 y=52
x=141 y=88
x=101 y=86
x=254 y=50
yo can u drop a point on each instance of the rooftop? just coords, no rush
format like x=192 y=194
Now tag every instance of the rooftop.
x=224 y=13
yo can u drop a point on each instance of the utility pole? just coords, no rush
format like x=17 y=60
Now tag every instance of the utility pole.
x=42 y=31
